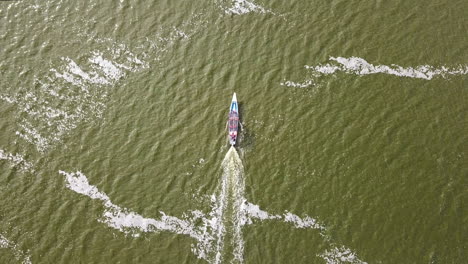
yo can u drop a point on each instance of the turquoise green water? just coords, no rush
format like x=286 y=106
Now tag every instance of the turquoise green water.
x=135 y=96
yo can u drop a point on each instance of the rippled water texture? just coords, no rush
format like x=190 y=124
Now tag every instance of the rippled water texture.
x=113 y=145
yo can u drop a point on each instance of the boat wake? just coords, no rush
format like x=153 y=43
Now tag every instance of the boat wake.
x=228 y=210
x=359 y=66
x=241 y=7
x=18 y=253
x=218 y=234
x=72 y=90
x=16 y=160
x=67 y=95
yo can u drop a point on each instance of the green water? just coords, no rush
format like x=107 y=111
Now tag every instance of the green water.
x=379 y=160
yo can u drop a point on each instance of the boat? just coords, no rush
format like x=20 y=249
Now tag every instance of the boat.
x=233 y=122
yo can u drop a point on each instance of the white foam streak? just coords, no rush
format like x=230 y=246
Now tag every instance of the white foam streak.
x=112 y=71
x=335 y=255
x=216 y=221
x=236 y=168
x=19 y=254
x=340 y=255
x=123 y=219
x=31 y=135
x=17 y=160
x=254 y=211
x=304 y=84
x=240 y=7
x=229 y=213
x=306 y=222
x=77 y=76
x=132 y=223
x=325 y=69
x=226 y=214
x=79 y=183
x=69 y=94
x=360 y=66
x=4 y=242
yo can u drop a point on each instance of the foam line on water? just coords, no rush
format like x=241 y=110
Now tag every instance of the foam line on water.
x=16 y=160
x=359 y=66
x=68 y=95
x=112 y=71
x=72 y=91
x=233 y=208
x=339 y=255
x=75 y=75
x=121 y=218
x=240 y=7
x=19 y=254
x=233 y=179
x=253 y=211
x=333 y=255
x=298 y=222
x=131 y=223
x=226 y=214
x=303 y=84
x=215 y=231
x=226 y=217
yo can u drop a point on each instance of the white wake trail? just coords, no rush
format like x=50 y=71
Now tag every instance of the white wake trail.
x=228 y=210
x=338 y=255
x=68 y=94
x=218 y=234
x=16 y=160
x=241 y=7
x=132 y=223
x=19 y=254
x=334 y=255
x=220 y=231
x=359 y=66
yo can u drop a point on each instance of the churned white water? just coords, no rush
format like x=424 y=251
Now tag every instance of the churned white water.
x=158 y=71
x=122 y=218
x=81 y=90
x=132 y=223
x=221 y=228
x=20 y=255
x=16 y=160
x=240 y=7
x=304 y=84
x=340 y=255
x=360 y=66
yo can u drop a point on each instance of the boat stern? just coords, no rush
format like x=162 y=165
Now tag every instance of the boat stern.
x=232 y=138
